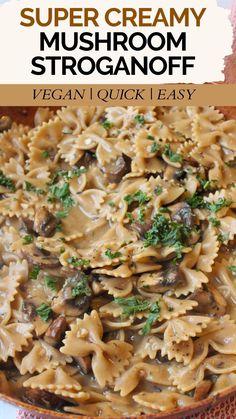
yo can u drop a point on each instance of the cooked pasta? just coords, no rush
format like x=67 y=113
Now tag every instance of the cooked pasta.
x=117 y=278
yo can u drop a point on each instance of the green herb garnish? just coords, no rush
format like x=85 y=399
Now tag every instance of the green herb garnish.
x=223 y=237
x=152 y=318
x=107 y=124
x=139 y=196
x=29 y=187
x=154 y=147
x=81 y=289
x=61 y=214
x=139 y=119
x=27 y=239
x=150 y=137
x=50 y=282
x=111 y=204
x=141 y=215
x=206 y=184
x=44 y=311
x=112 y=255
x=196 y=201
x=218 y=205
x=174 y=157
x=165 y=232
x=34 y=272
x=7 y=182
x=130 y=216
x=78 y=261
x=214 y=221
x=158 y=190
x=45 y=154
x=232 y=269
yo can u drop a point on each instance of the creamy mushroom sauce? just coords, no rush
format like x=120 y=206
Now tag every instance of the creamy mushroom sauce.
x=118 y=262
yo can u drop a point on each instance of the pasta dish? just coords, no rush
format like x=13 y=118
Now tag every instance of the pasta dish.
x=118 y=261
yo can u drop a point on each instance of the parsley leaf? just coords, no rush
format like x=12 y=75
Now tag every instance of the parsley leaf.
x=141 y=215
x=111 y=204
x=219 y=204
x=130 y=216
x=139 y=119
x=154 y=147
x=81 y=289
x=107 y=124
x=34 y=272
x=61 y=214
x=45 y=154
x=44 y=311
x=152 y=318
x=132 y=305
x=196 y=201
x=62 y=194
x=232 y=269
x=174 y=157
x=27 y=239
x=223 y=237
x=112 y=255
x=50 y=282
x=139 y=196
x=78 y=261
x=29 y=187
x=158 y=190
x=166 y=233
x=150 y=137
x=7 y=182
x=214 y=221
x=206 y=184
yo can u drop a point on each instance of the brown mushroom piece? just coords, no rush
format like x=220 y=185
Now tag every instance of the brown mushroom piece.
x=29 y=309
x=171 y=277
x=84 y=363
x=87 y=159
x=74 y=298
x=161 y=281
x=42 y=398
x=40 y=258
x=202 y=389
x=183 y=214
x=5 y=123
x=45 y=223
x=56 y=331
x=28 y=225
x=211 y=303
x=116 y=169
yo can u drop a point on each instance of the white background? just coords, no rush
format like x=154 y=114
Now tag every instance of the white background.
x=210 y=43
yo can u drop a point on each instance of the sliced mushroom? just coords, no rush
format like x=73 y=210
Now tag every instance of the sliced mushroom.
x=87 y=159
x=42 y=398
x=67 y=302
x=202 y=389
x=5 y=123
x=116 y=169
x=28 y=225
x=45 y=223
x=29 y=309
x=40 y=258
x=180 y=175
x=56 y=330
x=84 y=363
x=161 y=281
x=141 y=228
x=183 y=214
x=208 y=303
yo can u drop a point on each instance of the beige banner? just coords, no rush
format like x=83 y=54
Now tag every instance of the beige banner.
x=113 y=95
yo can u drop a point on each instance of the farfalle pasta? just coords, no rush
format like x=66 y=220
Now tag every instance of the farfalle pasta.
x=117 y=277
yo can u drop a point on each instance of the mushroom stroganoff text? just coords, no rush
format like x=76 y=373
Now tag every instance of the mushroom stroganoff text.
x=118 y=268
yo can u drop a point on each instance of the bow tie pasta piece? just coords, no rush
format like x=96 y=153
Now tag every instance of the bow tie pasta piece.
x=162 y=401
x=77 y=119
x=13 y=338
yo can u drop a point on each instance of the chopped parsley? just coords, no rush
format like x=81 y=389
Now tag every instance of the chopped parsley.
x=232 y=269
x=50 y=282
x=133 y=305
x=27 y=239
x=34 y=272
x=196 y=201
x=81 y=289
x=206 y=184
x=111 y=204
x=78 y=261
x=29 y=187
x=62 y=194
x=214 y=221
x=44 y=311
x=139 y=119
x=218 y=205
x=153 y=316
x=141 y=215
x=130 y=216
x=61 y=214
x=7 y=182
x=223 y=237
x=165 y=232
x=45 y=154
x=150 y=137
x=154 y=147
x=112 y=255
x=172 y=156
x=158 y=190
x=107 y=124
x=139 y=196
